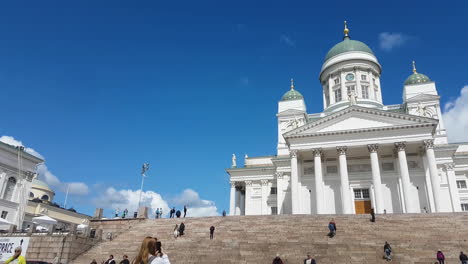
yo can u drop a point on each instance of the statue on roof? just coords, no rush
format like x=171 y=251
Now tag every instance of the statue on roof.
x=234 y=163
x=352 y=97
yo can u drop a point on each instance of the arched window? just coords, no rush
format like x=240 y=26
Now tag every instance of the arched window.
x=45 y=197
x=10 y=188
x=31 y=195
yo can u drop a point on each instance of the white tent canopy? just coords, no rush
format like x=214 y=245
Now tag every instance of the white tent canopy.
x=44 y=220
x=81 y=227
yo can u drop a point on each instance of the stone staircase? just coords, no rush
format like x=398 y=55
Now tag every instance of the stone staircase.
x=415 y=238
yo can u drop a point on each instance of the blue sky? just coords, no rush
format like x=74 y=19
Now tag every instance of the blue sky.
x=98 y=88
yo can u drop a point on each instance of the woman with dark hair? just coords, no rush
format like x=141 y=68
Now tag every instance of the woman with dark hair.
x=161 y=258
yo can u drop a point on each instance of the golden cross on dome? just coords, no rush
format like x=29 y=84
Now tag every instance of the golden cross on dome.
x=292 y=84
x=414 y=67
x=346 y=30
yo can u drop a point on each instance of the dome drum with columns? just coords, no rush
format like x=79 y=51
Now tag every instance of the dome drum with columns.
x=358 y=154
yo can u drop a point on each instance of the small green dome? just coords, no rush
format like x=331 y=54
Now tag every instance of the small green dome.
x=348 y=45
x=417 y=78
x=292 y=95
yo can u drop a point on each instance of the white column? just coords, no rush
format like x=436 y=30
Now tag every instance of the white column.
x=232 y=200
x=265 y=197
x=345 y=193
x=331 y=96
x=430 y=196
x=279 y=191
x=452 y=181
x=238 y=210
x=294 y=183
x=376 y=180
x=319 y=196
x=405 y=178
x=247 y=198
x=429 y=146
x=344 y=93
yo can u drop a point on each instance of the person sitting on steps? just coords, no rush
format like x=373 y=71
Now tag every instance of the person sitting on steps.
x=387 y=251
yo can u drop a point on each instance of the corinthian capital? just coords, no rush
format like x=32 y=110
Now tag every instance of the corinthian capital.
x=372 y=148
x=294 y=153
x=400 y=146
x=279 y=174
x=264 y=182
x=428 y=143
x=248 y=183
x=341 y=150
x=317 y=152
x=449 y=166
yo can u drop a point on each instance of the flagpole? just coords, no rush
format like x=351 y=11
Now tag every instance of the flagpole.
x=66 y=197
x=144 y=168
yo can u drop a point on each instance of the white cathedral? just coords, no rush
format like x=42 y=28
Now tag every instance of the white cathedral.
x=358 y=154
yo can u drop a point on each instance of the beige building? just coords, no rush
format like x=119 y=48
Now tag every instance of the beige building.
x=41 y=203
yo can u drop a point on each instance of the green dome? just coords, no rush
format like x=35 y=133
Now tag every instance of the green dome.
x=348 y=45
x=417 y=78
x=292 y=95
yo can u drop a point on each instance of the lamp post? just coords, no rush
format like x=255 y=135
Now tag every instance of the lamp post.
x=144 y=168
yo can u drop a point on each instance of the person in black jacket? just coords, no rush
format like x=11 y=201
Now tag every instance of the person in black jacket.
x=181 y=229
x=309 y=259
x=125 y=260
x=212 y=229
x=463 y=258
x=178 y=213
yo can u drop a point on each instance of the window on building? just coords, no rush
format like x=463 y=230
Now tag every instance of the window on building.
x=273 y=190
x=332 y=169
x=337 y=80
x=351 y=88
x=10 y=188
x=361 y=194
x=464 y=207
x=413 y=164
x=364 y=77
x=45 y=197
x=4 y=214
x=308 y=170
x=274 y=210
x=31 y=195
x=365 y=92
x=337 y=95
x=388 y=166
x=359 y=167
x=461 y=184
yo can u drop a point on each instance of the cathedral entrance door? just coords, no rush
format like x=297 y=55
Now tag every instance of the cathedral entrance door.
x=362 y=202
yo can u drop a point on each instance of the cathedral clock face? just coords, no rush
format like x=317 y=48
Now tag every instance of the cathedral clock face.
x=349 y=77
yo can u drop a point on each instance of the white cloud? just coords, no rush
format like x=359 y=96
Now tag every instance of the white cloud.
x=75 y=188
x=12 y=141
x=455 y=117
x=388 y=41
x=128 y=199
x=287 y=40
x=196 y=206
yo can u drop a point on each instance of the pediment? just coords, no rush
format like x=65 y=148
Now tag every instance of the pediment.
x=423 y=97
x=291 y=112
x=356 y=118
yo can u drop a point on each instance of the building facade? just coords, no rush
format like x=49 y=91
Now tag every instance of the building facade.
x=17 y=171
x=41 y=202
x=358 y=154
